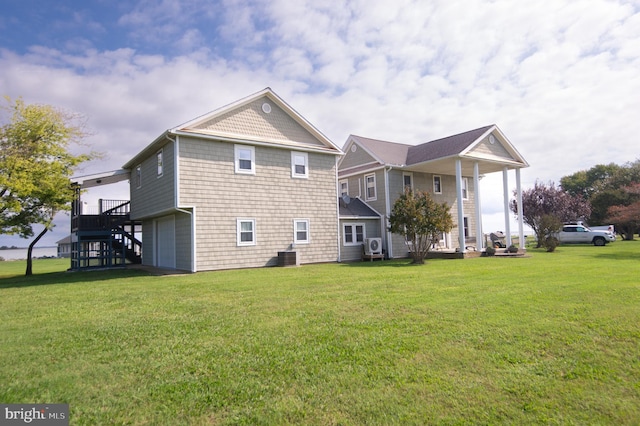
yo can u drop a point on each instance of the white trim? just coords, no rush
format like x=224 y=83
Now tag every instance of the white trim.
x=410 y=175
x=340 y=182
x=366 y=187
x=239 y=241
x=295 y=155
x=433 y=179
x=295 y=231
x=354 y=234
x=237 y=149
x=160 y=163
x=345 y=174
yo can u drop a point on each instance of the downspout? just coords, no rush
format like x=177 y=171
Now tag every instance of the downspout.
x=338 y=212
x=387 y=212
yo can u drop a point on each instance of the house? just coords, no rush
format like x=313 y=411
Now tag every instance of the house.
x=237 y=188
x=375 y=173
x=64 y=246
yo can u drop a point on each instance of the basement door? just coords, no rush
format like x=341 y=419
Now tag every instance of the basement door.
x=166 y=242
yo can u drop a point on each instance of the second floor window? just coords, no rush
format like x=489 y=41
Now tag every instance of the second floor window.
x=245 y=159
x=344 y=187
x=465 y=188
x=407 y=181
x=299 y=164
x=370 y=187
x=160 y=163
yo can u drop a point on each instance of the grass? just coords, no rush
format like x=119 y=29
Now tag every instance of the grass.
x=553 y=338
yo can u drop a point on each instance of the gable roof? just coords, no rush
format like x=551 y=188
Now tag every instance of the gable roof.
x=438 y=154
x=445 y=147
x=262 y=118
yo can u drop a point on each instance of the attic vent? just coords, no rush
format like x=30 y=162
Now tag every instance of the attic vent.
x=266 y=108
x=354 y=148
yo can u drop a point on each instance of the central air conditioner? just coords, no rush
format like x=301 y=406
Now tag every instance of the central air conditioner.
x=373 y=246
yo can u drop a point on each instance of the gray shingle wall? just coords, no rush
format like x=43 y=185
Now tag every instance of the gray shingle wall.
x=357 y=158
x=272 y=197
x=157 y=193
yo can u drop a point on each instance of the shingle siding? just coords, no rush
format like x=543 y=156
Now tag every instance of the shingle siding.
x=156 y=193
x=272 y=197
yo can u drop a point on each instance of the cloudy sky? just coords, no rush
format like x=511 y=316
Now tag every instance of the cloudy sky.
x=561 y=79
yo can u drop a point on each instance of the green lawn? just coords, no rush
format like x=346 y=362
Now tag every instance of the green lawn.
x=553 y=338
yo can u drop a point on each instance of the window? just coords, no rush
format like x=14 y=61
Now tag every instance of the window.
x=245 y=159
x=407 y=181
x=465 y=190
x=138 y=176
x=465 y=225
x=344 y=187
x=246 y=232
x=301 y=231
x=437 y=185
x=160 y=163
x=299 y=165
x=370 y=187
x=353 y=234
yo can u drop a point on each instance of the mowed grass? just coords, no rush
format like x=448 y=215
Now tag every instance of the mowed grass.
x=553 y=338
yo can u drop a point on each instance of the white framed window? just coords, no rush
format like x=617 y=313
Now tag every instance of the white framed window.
x=407 y=181
x=465 y=188
x=370 y=187
x=245 y=159
x=160 y=158
x=301 y=231
x=353 y=234
x=465 y=225
x=437 y=184
x=299 y=164
x=246 y=232
x=344 y=187
x=138 y=176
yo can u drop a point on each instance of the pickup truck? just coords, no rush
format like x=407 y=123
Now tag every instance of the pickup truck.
x=577 y=234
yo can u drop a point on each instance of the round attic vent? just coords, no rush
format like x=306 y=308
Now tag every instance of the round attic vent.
x=353 y=148
x=266 y=108
x=492 y=139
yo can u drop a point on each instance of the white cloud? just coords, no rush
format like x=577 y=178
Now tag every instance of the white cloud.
x=560 y=78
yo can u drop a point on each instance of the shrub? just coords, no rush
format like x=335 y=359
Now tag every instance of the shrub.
x=550 y=243
x=512 y=249
x=490 y=251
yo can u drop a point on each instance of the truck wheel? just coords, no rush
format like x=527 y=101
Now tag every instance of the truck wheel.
x=599 y=241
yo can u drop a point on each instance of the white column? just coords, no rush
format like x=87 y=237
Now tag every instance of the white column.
x=505 y=185
x=476 y=187
x=520 y=218
x=460 y=205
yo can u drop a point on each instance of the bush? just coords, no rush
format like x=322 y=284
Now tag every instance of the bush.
x=550 y=243
x=490 y=251
x=512 y=249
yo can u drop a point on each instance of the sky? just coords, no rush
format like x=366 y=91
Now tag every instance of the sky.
x=561 y=79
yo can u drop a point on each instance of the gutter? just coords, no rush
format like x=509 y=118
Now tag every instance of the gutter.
x=388 y=213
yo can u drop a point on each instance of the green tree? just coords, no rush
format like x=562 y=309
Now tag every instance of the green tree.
x=549 y=200
x=420 y=220
x=604 y=186
x=35 y=167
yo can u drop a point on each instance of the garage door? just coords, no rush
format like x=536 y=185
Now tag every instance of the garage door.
x=166 y=242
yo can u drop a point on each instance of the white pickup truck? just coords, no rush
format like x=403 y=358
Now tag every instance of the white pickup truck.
x=581 y=234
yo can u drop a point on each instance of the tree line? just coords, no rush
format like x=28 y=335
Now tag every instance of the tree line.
x=605 y=194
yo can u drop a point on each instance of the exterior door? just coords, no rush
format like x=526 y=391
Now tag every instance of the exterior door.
x=166 y=242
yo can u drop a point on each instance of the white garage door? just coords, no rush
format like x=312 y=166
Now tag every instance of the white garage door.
x=166 y=242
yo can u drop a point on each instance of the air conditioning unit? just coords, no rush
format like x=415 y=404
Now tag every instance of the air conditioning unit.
x=373 y=246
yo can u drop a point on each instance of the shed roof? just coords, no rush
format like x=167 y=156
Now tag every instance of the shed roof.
x=356 y=208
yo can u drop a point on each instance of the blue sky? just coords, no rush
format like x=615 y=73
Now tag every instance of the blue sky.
x=561 y=79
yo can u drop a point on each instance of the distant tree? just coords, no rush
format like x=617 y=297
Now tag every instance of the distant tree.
x=420 y=220
x=548 y=200
x=35 y=167
x=585 y=183
x=627 y=217
x=604 y=186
